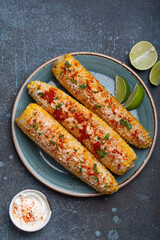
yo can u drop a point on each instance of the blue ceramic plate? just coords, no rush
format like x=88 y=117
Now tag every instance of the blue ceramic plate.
x=47 y=170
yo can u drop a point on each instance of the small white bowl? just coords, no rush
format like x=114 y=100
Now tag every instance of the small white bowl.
x=41 y=196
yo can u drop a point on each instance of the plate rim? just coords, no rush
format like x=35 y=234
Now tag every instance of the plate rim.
x=68 y=192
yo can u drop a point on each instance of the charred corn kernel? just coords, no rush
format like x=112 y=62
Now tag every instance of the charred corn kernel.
x=87 y=89
x=86 y=126
x=44 y=130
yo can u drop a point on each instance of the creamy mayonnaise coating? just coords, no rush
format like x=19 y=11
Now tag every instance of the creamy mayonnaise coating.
x=30 y=210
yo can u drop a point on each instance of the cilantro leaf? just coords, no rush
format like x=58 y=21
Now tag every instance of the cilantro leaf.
x=83 y=86
x=107 y=136
x=98 y=106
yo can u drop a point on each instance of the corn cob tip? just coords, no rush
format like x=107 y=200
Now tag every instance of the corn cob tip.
x=30 y=106
x=59 y=60
x=29 y=84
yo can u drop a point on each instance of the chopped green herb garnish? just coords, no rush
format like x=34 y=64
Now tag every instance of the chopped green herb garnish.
x=35 y=126
x=35 y=113
x=99 y=138
x=52 y=142
x=57 y=147
x=74 y=81
x=99 y=151
x=106 y=185
x=62 y=72
x=98 y=106
x=76 y=126
x=107 y=136
x=53 y=135
x=68 y=64
x=73 y=110
x=96 y=92
x=66 y=78
x=75 y=149
x=40 y=133
x=83 y=86
x=38 y=88
x=78 y=75
x=128 y=125
x=56 y=97
x=124 y=122
x=61 y=136
x=95 y=168
x=95 y=177
x=109 y=106
x=102 y=154
x=81 y=162
x=64 y=68
x=69 y=70
x=80 y=170
x=58 y=108
x=40 y=93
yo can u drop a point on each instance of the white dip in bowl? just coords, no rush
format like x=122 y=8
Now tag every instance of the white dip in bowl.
x=29 y=210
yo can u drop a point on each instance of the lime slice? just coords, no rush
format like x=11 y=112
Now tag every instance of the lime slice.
x=136 y=97
x=122 y=89
x=143 y=55
x=154 y=76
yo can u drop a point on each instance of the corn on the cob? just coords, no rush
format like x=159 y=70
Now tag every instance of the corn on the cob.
x=87 y=127
x=87 y=89
x=43 y=129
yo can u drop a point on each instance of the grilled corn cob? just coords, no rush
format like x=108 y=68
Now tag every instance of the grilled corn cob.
x=87 y=89
x=87 y=127
x=58 y=143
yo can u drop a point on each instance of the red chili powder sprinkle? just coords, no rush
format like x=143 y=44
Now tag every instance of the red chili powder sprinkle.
x=27 y=212
x=50 y=95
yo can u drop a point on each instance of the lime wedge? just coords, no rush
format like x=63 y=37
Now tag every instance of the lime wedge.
x=122 y=89
x=143 y=55
x=136 y=97
x=154 y=76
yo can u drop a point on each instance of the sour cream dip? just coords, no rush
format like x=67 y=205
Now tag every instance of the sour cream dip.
x=29 y=210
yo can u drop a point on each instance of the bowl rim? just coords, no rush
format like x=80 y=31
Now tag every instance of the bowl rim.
x=68 y=192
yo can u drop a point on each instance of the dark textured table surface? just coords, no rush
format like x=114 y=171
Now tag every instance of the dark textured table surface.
x=33 y=32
